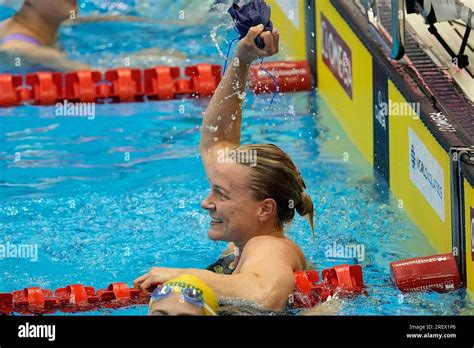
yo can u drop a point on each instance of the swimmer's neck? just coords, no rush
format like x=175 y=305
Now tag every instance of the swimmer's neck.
x=44 y=29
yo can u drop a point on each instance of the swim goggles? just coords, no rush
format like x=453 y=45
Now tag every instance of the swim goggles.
x=189 y=294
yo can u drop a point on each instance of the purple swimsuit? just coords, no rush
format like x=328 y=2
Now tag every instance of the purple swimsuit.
x=19 y=37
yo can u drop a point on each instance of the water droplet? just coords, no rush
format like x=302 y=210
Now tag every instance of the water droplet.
x=11 y=211
x=212 y=129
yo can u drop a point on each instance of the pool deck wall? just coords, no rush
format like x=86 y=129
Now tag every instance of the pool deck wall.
x=468 y=222
x=393 y=123
x=289 y=17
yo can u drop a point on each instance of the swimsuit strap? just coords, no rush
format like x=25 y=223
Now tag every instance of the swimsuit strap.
x=224 y=265
x=18 y=37
x=21 y=37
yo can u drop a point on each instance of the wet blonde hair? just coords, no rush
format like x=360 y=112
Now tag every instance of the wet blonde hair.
x=276 y=176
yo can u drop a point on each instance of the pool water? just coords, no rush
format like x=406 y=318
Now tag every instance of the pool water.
x=107 y=198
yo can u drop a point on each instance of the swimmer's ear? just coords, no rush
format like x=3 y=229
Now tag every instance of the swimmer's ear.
x=267 y=208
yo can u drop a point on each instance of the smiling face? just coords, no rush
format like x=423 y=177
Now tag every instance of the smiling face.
x=233 y=210
x=55 y=9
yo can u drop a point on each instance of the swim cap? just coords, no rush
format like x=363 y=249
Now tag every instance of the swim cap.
x=211 y=304
x=249 y=15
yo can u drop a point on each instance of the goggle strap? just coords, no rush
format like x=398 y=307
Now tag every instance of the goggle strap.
x=209 y=309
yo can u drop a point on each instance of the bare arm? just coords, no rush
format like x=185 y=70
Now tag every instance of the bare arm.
x=266 y=276
x=107 y=18
x=223 y=118
x=45 y=56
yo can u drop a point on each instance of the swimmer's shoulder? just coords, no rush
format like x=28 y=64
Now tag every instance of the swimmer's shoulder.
x=285 y=245
x=7 y=29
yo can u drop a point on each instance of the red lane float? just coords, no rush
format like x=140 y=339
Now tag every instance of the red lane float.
x=204 y=78
x=438 y=273
x=8 y=89
x=290 y=77
x=47 y=87
x=132 y=85
x=341 y=280
x=164 y=82
x=34 y=300
x=160 y=82
x=81 y=86
x=6 y=303
x=126 y=85
x=117 y=85
x=72 y=298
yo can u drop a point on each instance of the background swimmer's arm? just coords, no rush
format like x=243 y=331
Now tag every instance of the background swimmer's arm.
x=106 y=18
x=223 y=118
x=45 y=56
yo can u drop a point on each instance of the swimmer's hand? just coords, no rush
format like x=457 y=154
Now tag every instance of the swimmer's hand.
x=157 y=275
x=248 y=51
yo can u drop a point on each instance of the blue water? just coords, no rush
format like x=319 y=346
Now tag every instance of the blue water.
x=105 y=199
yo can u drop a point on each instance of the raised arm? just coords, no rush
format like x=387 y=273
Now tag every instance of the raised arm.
x=223 y=117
